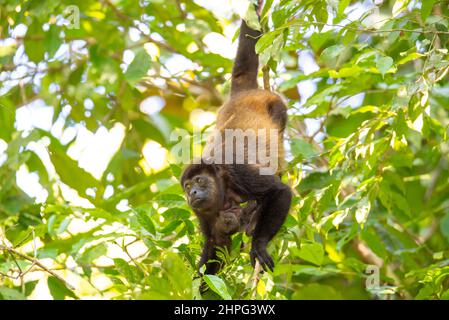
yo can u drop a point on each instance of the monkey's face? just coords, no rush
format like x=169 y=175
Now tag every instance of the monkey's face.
x=228 y=222
x=202 y=192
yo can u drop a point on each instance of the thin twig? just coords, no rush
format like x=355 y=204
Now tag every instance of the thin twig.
x=37 y=263
x=125 y=249
x=255 y=279
x=266 y=78
x=368 y=30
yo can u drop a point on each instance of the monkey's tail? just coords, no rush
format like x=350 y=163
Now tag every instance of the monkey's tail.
x=246 y=64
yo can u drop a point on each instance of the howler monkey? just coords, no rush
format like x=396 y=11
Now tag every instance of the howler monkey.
x=215 y=188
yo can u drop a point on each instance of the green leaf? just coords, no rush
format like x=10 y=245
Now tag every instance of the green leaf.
x=149 y=130
x=323 y=95
x=302 y=148
x=11 y=294
x=342 y=6
x=401 y=202
x=309 y=270
x=92 y=253
x=130 y=272
x=339 y=126
x=29 y=287
x=266 y=40
x=363 y=209
x=261 y=289
x=7 y=50
x=138 y=67
x=384 y=64
x=410 y=57
x=444 y=226
x=331 y=53
x=176 y=214
x=445 y=295
x=352 y=71
x=145 y=221
x=399 y=6
x=315 y=291
x=176 y=169
x=339 y=216
x=426 y=8
x=217 y=285
x=69 y=171
x=63 y=225
x=34 y=48
x=171 y=227
x=59 y=290
x=312 y=252
x=170 y=200
x=374 y=242
x=52 y=41
x=425 y=292
x=7 y=118
x=251 y=18
x=178 y=275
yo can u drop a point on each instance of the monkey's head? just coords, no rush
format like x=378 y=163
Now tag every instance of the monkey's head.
x=228 y=221
x=204 y=187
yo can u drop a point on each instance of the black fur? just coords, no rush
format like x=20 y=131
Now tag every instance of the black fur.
x=197 y=168
x=273 y=201
x=246 y=64
x=273 y=198
x=278 y=113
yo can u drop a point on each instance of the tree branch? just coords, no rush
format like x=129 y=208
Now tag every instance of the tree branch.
x=37 y=263
x=368 y=30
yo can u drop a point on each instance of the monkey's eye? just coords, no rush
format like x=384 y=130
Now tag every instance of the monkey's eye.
x=187 y=187
x=199 y=180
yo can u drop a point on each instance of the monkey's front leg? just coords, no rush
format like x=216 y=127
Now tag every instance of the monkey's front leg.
x=207 y=252
x=210 y=252
x=209 y=256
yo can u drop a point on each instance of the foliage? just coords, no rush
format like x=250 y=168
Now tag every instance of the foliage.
x=368 y=148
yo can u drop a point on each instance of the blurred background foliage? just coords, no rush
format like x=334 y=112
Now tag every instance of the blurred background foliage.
x=90 y=204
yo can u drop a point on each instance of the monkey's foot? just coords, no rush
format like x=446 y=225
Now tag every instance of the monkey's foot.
x=259 y=251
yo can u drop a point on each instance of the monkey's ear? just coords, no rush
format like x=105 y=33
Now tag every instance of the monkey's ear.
x=209 y=165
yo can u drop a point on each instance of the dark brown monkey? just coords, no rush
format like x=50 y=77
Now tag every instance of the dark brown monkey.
x=210 y=184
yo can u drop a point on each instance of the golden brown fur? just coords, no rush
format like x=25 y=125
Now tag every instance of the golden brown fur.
x=255 y=110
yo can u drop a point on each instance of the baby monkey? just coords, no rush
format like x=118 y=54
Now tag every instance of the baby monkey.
x=234 y=218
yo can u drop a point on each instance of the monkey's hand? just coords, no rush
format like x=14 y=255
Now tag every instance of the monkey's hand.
x=259 y=251
x=249 y=217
